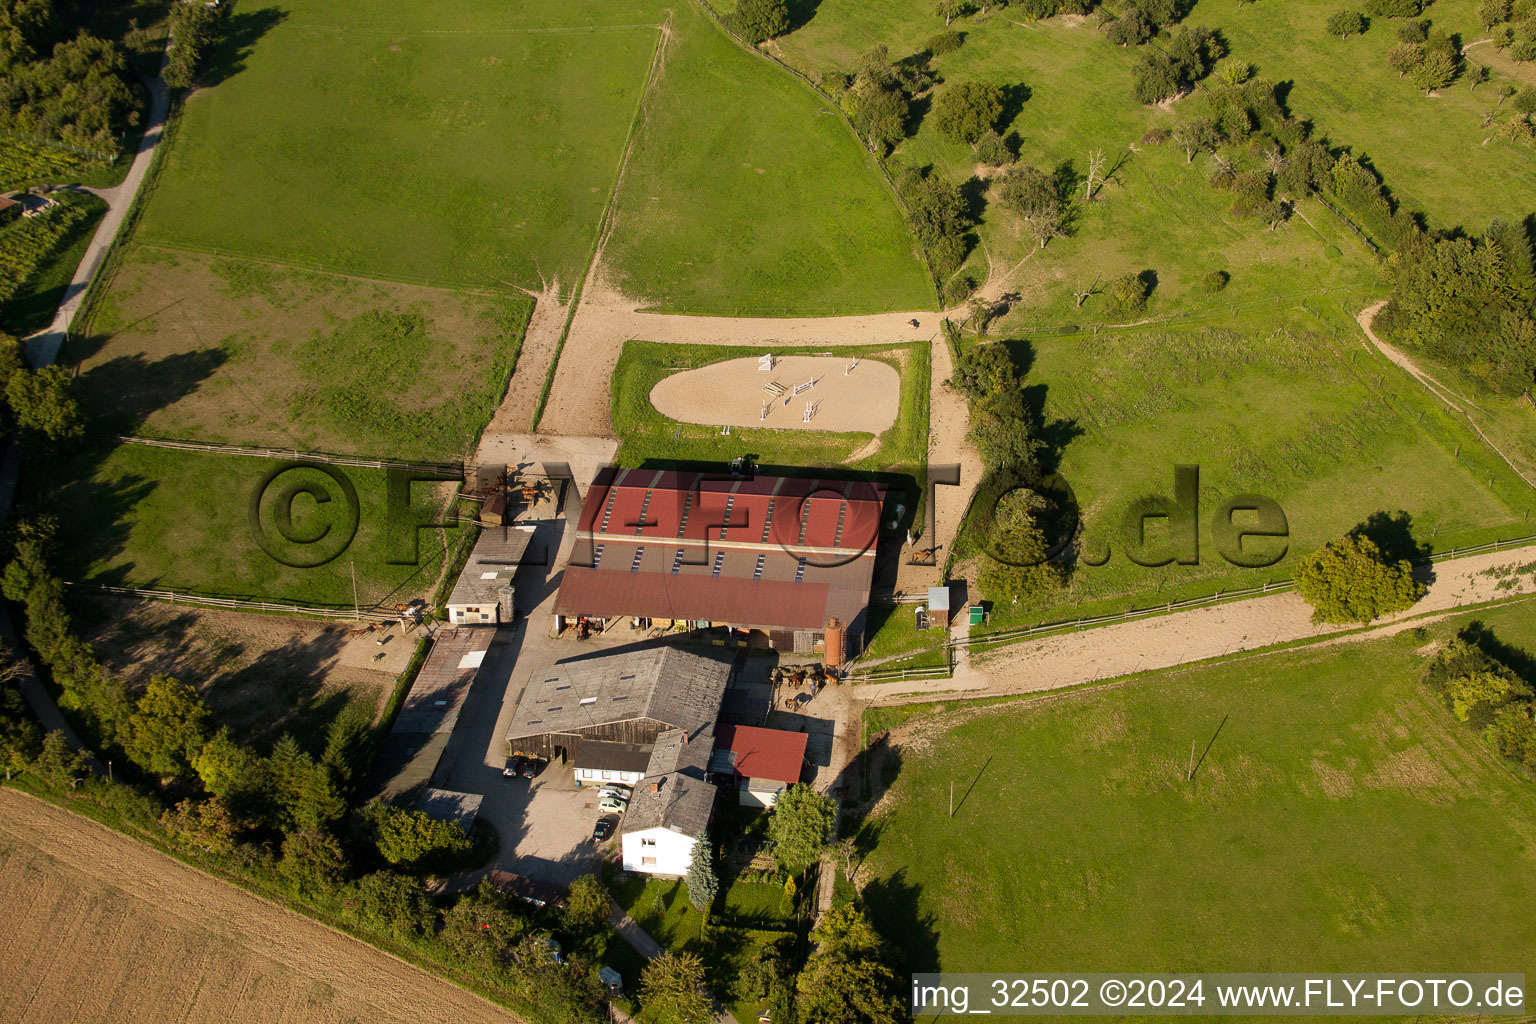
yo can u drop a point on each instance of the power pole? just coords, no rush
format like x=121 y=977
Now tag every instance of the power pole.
x=355 y=613
x=1191 y=772
x=951 y=798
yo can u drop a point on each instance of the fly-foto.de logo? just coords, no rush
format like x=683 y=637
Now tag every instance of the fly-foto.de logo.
x=1247 y=530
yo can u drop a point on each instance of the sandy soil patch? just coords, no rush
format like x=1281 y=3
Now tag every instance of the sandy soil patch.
x=101 y=928
x=731 y=392
x=261 y=674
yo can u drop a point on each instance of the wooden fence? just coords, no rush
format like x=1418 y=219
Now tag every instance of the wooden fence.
x=446 y=469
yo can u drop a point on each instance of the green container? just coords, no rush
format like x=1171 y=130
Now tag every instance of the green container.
x=977 y=615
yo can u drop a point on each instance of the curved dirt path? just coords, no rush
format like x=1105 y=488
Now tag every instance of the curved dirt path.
x=1454 y=401
x=103 y=928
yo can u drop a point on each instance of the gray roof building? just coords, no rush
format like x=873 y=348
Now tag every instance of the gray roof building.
x=490 y=568
x=675 y=793
x=620 y=698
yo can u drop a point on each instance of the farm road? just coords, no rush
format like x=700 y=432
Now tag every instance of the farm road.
x=43 y=347
x=104 y=928
x=1069 y=659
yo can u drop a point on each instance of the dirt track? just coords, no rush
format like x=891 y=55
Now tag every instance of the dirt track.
x=605 y=320
x=1068 y=659
x=102 y=928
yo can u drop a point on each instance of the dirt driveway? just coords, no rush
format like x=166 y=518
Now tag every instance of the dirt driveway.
x=102 y=928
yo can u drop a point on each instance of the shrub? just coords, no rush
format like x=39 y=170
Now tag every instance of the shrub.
x=967 y=111
x=1345 y=24
x=1215 y=281
x=1155 y=136
x=1394 y=8
x=992 y=150
x=958 y=289
x=1127 y=296
x=1412 y=32
x=945 y=42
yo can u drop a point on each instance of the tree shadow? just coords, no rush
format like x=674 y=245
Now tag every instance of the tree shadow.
x=1479 y=635
x=1149 y=278
x=895 y=907
x=1393 y=534
x=974 y=191
x=130 y=388
x=238 y=37
x=801 y=12
x=1014 y=98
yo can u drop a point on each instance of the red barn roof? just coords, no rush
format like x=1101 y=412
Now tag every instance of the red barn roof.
x=766 y=552
x=763 y=753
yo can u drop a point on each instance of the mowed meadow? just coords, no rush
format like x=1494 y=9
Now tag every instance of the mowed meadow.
x=1296 y=408
x=1341 y=818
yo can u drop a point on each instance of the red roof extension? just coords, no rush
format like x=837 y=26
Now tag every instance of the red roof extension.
x=763 y=753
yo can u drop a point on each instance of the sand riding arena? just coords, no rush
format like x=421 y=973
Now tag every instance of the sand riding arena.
x=785 y=393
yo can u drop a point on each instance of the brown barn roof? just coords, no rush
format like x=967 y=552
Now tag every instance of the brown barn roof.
x=683 y=796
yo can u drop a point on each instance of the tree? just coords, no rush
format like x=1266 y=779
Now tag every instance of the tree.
x=967 y=111
x=992 y=150
x=949 y=10
x=481 y=928
x=58 y=762
x=167 y=728
x=1404 y=57
x=313 y=861
x=1131 y=29
x=800 y=826
x=193 y=27
x=225 y=767
x=1345 y=23
x=1436 y=71
x=586 y=904
x=204 y=825
x=1034 y=196
x=939 y=218
x=43 y=402
x=1492 y=12
x=413 y=839
x=1017 y=535
x=1195 y=135
x=1352 y=580
x=1004 y=435
x=702 y=883
x=757 y=20
x=1233 y=71
x=390 y=903
x=984 y=370
x=847 y=980
x=1095 y=175
x=672 y=990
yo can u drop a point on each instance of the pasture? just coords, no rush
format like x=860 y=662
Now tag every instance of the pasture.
x=1070 y=92
x=646 y=434
x=472 y=149
x=746 y=194
x=235 y=351
x=1342 y=818
x=1299 y=410
x=153 y=518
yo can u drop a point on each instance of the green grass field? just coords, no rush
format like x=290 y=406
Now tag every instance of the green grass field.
x=1342 y=820
x=747 y=194
x=477 y=148
x=34 y=306
x=153 y=518
x=1300 y=411
x=648 y=435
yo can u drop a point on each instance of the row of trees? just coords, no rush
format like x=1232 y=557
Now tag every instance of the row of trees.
x=1029 y=10
x=1470 y=302
x=40 y=402
x=61 y=82
x=1483 y=691
x=194 y=26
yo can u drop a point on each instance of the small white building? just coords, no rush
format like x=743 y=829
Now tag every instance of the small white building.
x=483 y=595
x=598 y=761
x=672 y=806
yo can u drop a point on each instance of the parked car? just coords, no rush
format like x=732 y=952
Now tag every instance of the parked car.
x=533 y=766
x=603 y=829
x=514 y=768
x=612 y=805
x=622 y=792
x=555 y=952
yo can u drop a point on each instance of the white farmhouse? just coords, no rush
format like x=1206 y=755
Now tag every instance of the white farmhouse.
x=483 y=594
x=671 y=806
